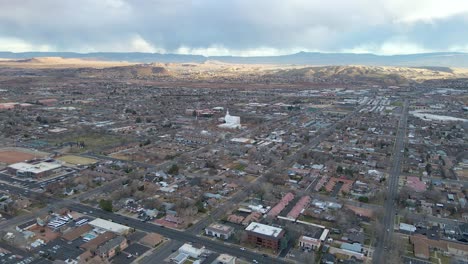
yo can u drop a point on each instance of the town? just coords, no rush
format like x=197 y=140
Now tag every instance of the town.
x=112 y=169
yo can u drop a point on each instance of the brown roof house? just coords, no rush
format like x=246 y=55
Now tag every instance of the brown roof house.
x=112 y=247
x=152 y=239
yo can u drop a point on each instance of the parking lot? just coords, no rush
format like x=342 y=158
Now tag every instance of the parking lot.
x=130 y=253
x=59 y=249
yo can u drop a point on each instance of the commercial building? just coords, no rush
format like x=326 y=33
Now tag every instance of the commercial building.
x=220 y=231
x=110 y=226
x=264 y=235
x=33 y=170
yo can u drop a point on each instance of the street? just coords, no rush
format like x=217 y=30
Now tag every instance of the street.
x=384 y=243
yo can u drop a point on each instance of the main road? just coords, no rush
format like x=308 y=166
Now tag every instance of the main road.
x=389 y=205
x=177 y=235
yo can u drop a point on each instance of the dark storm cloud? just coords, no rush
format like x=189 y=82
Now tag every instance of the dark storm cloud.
x=233 y=26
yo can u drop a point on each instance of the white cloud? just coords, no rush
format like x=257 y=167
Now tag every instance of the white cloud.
x=138 y=44
x=220 y=50
x=19 y=45
x=428 y=11
x=391 y=47
x=134 y=43
x=459 y=48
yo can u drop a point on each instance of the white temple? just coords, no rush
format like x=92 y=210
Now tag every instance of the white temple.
x=231 y=121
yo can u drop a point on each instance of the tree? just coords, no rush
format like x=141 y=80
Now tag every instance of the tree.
x=174 y=169
x=105 y=205
x=339 y=169
x=363 y=199
x=433 y=195
x=138 y=120
x=428 y=168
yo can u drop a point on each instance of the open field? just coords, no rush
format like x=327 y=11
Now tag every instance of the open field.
x=10 y=156
x=72 y=159
x=92 y=141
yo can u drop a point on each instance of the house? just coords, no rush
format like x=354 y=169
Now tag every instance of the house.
x=191 y=251
x=77 y=232
x=309 y=243
x=355 y=247
x=220 y=231
x=264 y=235
x=111 y=247
x=422 y=246
x=152 y=239
x=93 y=244
x=328 y=258
x=464 y=229
x=407 y=228
x=5 y=203
x=180 y=258
x=225 y=259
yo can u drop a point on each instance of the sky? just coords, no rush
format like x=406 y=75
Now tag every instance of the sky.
x=235 y=27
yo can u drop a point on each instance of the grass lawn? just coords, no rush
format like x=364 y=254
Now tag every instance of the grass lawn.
x=92 y=141
x=312 y=220
x=436 y=257
x=250 y=178
x=72 y=159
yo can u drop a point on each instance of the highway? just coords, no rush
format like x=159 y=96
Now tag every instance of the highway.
x=384 y=243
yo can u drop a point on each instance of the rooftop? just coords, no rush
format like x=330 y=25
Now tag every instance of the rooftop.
x=220 y=228
x=264 y=229
x=109 y=226
x=35 y=168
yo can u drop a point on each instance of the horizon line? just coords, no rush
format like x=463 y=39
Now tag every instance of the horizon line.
x=242 y=56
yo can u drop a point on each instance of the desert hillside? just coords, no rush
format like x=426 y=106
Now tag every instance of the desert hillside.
x=217 y=71
x=59 y=62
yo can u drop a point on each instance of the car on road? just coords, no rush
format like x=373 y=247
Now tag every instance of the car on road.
x=242 y=248
x=255 y=261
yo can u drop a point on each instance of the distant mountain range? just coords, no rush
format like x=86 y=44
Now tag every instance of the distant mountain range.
x=442 y=59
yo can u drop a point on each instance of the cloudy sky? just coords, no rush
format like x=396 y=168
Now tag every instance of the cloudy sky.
x=234 y=27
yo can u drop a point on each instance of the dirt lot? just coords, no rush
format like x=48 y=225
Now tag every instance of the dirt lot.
x=44 y=233
x=11 y=156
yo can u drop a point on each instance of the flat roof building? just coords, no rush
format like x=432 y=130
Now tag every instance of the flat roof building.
x=110 y=226
x=264 y=235
x=225 y=259
x=309 y=243
x=33 y=170
x=220 y=231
